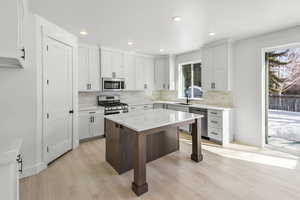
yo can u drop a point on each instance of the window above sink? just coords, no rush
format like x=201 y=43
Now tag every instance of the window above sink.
x=190 y=82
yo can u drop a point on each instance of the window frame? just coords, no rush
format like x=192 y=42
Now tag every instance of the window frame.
x=192 y=63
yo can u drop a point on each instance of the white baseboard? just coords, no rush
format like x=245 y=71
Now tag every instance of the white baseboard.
x=33 y=170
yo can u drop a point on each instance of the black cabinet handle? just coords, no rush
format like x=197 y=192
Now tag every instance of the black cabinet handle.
x=24 y=53
x=20 y=161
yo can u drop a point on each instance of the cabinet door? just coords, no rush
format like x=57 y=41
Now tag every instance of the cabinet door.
x=83 y=68
x=166 y=74
x=207 y=68
x=98 y=124
x=220 y=78
x=106 y=64
x=12 y=20
x=22 y=7
x=94 y=68
x=118 y=64
x=130 y=72
x=140 y=73
x=84 y=125
x=159 y=74
x=149 y=73
x=162 y=73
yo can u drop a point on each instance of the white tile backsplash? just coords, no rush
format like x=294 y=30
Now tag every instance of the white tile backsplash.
x=87 y=99
x=143 y=97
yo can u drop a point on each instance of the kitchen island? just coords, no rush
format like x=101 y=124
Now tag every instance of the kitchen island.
x=135 y=138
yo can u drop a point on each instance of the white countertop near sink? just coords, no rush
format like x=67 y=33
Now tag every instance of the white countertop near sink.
x=148 y=119
x=205 y=106
x=9 y=151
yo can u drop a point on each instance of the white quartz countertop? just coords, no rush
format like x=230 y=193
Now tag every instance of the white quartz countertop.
x=148 y=119
x=206 y=106
x=90 y=108
x=9 y=151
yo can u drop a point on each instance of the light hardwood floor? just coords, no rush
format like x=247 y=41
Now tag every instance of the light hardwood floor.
x=232 y=173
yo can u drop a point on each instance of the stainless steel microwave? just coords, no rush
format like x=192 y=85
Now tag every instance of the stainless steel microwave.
x=113 y=84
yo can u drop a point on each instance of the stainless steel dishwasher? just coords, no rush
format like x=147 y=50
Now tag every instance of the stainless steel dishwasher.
x=201 y=111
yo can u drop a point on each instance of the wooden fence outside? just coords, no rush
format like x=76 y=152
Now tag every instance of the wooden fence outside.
x=284 y=102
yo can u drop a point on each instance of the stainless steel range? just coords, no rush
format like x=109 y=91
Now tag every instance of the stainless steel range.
x=112 y=104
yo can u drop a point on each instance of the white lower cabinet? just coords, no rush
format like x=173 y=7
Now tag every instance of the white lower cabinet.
x=91 y=124
x=9 y=181
x=11 y=165
x=219 y=126
x=159 y=105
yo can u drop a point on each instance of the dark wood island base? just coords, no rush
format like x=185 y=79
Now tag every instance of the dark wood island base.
x=127 y=148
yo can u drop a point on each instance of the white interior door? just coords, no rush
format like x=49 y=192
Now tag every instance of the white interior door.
x=57 y=98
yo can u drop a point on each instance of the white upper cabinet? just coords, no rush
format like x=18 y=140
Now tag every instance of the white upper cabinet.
x=130 y=72
x=217 y=69
x=164 y=73
x=13 y=20
x=112 y=64
x=149 y=73
x=140 y=73
x=136 y=69
x=83 y=68
x=94 y=68
x=88 y=68
x=144 y=73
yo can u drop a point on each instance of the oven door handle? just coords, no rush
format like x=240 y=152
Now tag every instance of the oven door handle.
x=112 y=113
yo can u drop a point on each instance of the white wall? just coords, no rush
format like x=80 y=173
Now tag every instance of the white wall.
x=248 y=94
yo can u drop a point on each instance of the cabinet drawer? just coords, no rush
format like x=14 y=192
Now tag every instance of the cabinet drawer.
x=214 y=113
x=215 y=122
x=215 y=133
x=158 y=105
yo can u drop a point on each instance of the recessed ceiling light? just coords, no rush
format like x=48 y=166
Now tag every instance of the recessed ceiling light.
x=83 y=33
x=176 y=19
x=212 y=34
x=161 y=50
x=130 y=43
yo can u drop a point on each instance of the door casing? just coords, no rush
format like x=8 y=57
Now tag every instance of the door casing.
x=265 y=88
x=48 y=33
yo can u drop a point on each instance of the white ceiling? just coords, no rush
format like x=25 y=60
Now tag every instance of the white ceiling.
x=148 y=24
